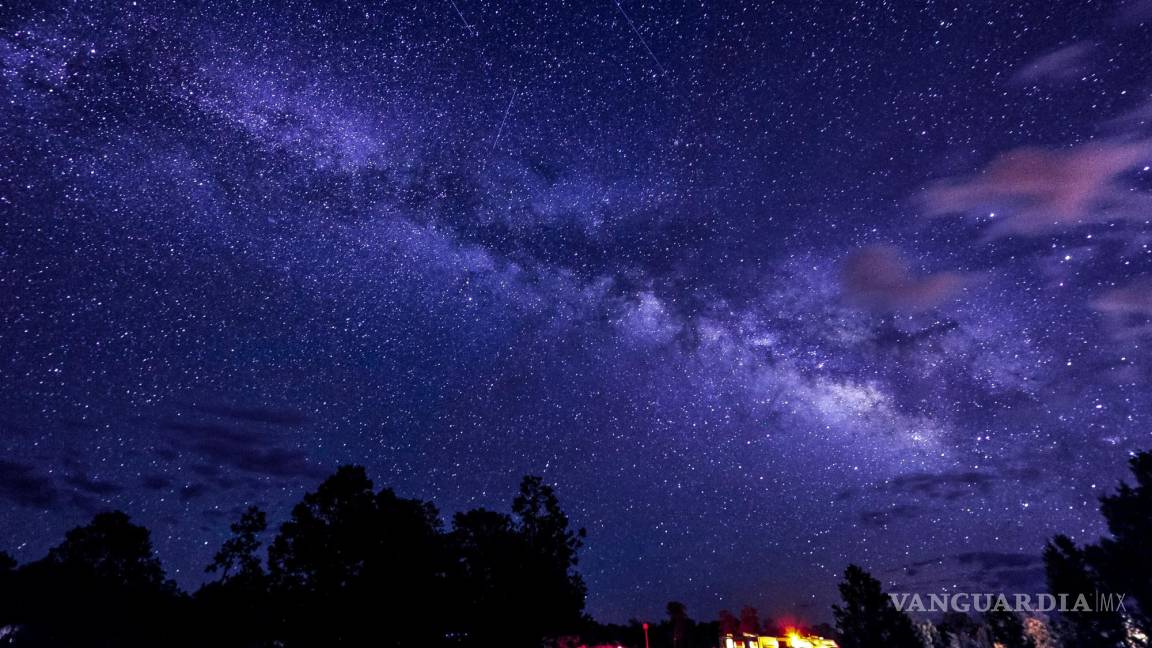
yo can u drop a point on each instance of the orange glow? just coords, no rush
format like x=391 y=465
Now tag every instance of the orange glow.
x=796 y=641
x=792 y=638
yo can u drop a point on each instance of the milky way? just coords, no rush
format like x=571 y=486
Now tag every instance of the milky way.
x=763 y=288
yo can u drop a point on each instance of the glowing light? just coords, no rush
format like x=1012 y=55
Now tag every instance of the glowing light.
x=796 y=641
x=792 y=639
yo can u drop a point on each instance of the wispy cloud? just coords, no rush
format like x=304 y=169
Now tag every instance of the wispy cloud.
x=1035 y=191
x=877 y=278
x=1128 y=309
x=1063 y=63
x=246 y=450
x=23 y=485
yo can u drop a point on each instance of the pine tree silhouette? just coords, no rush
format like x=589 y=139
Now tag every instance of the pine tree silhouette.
x=1125 y=559
x=868 y=619
x=1069 y=573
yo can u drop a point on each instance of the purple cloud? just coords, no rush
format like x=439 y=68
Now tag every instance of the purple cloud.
x=1042 y=190
x=1128 y=309
x=877 y=278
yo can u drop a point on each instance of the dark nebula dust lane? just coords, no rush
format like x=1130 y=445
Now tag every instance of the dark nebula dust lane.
x=763 y=288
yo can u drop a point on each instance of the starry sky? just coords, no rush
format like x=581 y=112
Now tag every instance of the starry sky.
x=762 y=287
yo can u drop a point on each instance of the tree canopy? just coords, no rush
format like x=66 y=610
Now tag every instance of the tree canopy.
x=868 y=619
x=351 y=566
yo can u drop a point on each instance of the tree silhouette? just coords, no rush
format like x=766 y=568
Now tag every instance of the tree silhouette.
x=516 y=574
x=236 y=608
x=1124 y=560
x=491 y=592
x=678 y=619
x=351 y=566
x=868 y=619
x=237 y=558
x=546 y=528
x=323 y=546
x=8 y=593
x=111 y=551
x=106 y=582
x=551 y=558
x=1069 y=573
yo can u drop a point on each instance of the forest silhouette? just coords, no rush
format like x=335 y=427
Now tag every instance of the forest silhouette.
x=351 y=566
x=354 y=566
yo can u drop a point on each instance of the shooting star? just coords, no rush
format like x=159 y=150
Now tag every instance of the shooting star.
x=471 y=30
x=504 y=120
x=632 y=25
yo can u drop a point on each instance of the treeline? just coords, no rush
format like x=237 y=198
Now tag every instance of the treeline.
x=1120 y=564
x=352 y=566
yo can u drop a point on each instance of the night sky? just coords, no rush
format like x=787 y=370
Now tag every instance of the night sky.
x=763 y=288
